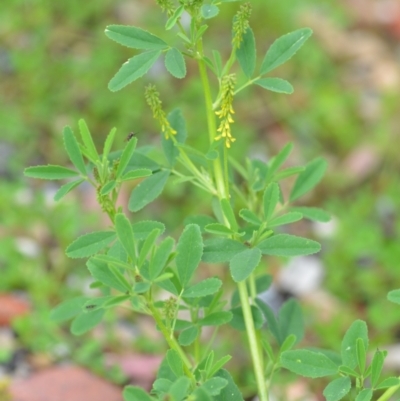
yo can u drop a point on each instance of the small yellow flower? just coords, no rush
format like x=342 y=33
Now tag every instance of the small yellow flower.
x=241 y=24
x=153 y=100
x=226 y=110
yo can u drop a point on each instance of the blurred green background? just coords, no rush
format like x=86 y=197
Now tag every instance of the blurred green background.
x=55 y=63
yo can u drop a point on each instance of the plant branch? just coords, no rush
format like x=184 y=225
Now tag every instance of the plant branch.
x=256 y=355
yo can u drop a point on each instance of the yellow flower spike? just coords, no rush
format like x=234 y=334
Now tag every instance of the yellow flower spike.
x=240 y=24
x=153 y=100
x=226 y=110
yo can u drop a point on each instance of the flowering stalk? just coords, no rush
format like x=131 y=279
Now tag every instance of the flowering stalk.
x=226 y=110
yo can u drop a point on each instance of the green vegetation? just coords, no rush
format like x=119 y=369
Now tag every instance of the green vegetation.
x=231 y=226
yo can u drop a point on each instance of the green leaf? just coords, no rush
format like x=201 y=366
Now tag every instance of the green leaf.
x=133 y=69
x=218 y=365
x=361 y=354
x=135 y=38
x=309 y=178
x=175 y=63
x=86 y=321
x=50 y=172
x=184 y=37
x=108 y=143
x=275 y=85
x=89 y=244
x=174 y=18
x=345 y=370
x=249 y=216
x=284 y=48
x=148 y=190
x=291 y=321
x=63 y=190
x=337 y=389
x=160 y=258
x=288 y=172
x=72 y=148
x=206 y=287
x=116 y=261
x=287 y=218
x=147 y=246
x=270 y=199
x=179 y=389
x=139 y=160
x=188 y=336
x=364 y=395
x=199 y=34
x=288 y=245
x=200 y=394
x=108 y=275
x=312 y=213
x=126 y=157
x=142 y=229
x=263 y=283
x=141 y=287
x=175 y=362
x=238 y=323
x=200 y=220
x=132 y=393
x=135 y=174
x=108 y=187
x=358 y=329
x=288 y=344
x=308 y=363
x=244 y=263
x=230 y=392
x=217 y=62
x=209 y=11
x=214 y=385
x=189 y=251
x=165 y=372
x=389 y=382
x=105 y=302
x=272 y=321
x=161 y=386
x=218 y=229
x=125 y=234
x=88 y=141
x=376 y=367
x=394 y=296
x=216 y=319
x=177 y=122
x=246 y=53
x=277 y=161
x=229 y=214
x=67 y=309
x=218 y=250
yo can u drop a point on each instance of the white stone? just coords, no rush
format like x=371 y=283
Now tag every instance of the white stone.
x=301 y=276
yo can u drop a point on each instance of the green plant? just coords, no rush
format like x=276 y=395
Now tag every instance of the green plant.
x=132 y=262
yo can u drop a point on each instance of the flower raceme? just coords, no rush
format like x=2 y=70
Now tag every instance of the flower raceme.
x=226 y=110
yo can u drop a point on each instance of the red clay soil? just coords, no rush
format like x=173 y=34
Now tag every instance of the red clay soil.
x=11 y=307
x=62 y=383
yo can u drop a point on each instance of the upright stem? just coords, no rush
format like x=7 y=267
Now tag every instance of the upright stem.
x=212 y=127
x=171 y=340
x=253 y=343
x=388 y=393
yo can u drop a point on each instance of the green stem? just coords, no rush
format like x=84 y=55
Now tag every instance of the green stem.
x=388 y=393
x=253 y=343
x=226 y=170
x=187 y=366
x=248 y=83
x=211 y=124
x=253 y=289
